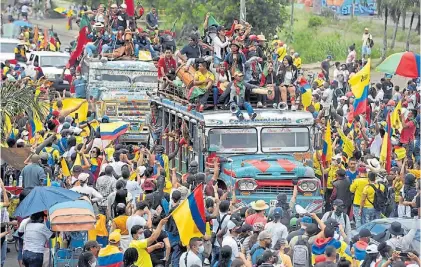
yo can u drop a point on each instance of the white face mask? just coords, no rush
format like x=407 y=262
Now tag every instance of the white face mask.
x=201 y=249
x=93 y=264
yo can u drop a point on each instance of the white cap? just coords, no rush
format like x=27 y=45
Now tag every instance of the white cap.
x=20 y=141
x=343 y=98
x=83 y=177
x=114 y=6
x=123 y=6
x=141 y=170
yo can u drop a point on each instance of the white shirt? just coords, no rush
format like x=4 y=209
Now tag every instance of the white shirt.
x=277 y=230
x=376 y=146
x=117 y=165
x=36 y=235
x=215 y=224
x=328 y=94
x=218 y=46
x=192 y=259
x=379 y=95
x=134 y=220
x=230 y=241
x=25 y=8
x=133 y=187
x=93 y=195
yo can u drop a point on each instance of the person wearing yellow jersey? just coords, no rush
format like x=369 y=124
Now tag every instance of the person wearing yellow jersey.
x=297 y=61
x=159 y=156
x=20 y=52
x=357 y=188
x=282 y=51
x=367 y=199
x=6 y=68
x=143 y=246
x=316 y=164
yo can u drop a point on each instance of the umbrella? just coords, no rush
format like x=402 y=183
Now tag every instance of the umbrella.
x=22 y=23
x=42 y=198
x=406 y=64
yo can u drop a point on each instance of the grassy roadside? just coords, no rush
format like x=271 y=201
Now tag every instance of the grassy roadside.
x=328 y=36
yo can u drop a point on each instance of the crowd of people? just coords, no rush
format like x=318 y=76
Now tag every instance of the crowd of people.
x=128 y=185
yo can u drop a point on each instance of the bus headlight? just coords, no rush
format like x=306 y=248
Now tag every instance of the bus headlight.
x=246 y=184
x=308 y=185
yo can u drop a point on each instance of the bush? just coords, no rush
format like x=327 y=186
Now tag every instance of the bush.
x=314 y=22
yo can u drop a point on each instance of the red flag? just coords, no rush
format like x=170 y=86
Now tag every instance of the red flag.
x=130 y=7
x=82 y=40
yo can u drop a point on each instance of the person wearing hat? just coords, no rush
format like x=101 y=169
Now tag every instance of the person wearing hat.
x=304 y=222
x=142 y=42
x=33 y=174
x=152 y=19
x=260 y=207
x=237 y=90
x=277 y=230
x=339 y=215
x=367 y=44
x=361 y=245
x=231 y=239
x=407 y=194
x=112 y=252
x=123 y=17
x=81 y=187
x=264 y=244
x=92 y=246
x=261 y=39
x=235 y=59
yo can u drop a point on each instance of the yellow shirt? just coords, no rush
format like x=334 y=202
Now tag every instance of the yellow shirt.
x=316 y=106
x=200 y=77
x=369 y=192
x=120 y=223
x=5 y=70
x=282 y=52
x=316 y=164
x=144 y=259
x=357 y=187
x=332 y=175
x=297 y=62
x=397 y=186
x=40 y=140
x=415 y=172
x=56 y=154
x=286 y=260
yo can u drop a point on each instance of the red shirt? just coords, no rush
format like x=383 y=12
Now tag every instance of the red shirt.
x=256 y=218
x=167 y=64
x=408 y=132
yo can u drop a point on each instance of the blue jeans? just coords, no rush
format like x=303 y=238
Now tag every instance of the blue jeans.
x=358 y=220
x=90 y=49
x=215 y=255
x=3 y=252
x=366 y=50
x=370 y=214
x=215 y=92
x=149 y=47
x=31 y=259
x=175 y=256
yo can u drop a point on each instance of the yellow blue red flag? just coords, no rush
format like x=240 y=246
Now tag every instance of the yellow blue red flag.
x=327 y=145
x=306 y=96
x=189 y=216
x=360 y=84
x=112 y=130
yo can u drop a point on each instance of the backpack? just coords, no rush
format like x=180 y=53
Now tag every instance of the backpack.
x=380 y=198
x=51 y=162
x=300 y=253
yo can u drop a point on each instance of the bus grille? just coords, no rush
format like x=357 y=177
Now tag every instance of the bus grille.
x=273 y=190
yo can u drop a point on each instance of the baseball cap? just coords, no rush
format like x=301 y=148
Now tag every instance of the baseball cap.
x=43 y=156
x=83 y=177
x=306 y=219
x=338 y=202
x=264 y=235
x=115 y=236
x=123 y=6
x=331 y=222
x=278 y=212
x=365 y=233
x=372 y=249
x=141 y=170
x=267 y=255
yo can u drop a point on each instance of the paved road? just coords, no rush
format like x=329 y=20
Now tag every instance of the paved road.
x=11 y=258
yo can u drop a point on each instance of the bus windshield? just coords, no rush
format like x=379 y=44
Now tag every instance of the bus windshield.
x=233 y=140
x=285 y=139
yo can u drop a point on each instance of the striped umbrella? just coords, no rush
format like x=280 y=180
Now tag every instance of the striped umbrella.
x=406 y=64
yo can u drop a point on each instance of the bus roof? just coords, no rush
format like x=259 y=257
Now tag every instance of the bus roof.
x=121 y=64
x=265 y=117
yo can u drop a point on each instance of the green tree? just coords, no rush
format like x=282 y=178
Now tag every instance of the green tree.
x=17 y=99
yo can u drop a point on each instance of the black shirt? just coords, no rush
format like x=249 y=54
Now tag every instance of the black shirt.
x=158 y=254
x=192 y=51
x=388 y=90
x=122 y=20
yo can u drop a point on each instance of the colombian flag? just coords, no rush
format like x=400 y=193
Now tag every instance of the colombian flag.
x=189 y=216
x=327 y=145
x=386 y=150
x=306 y=96
x=112 y=130
x=360 y=83
x=34 y=125
x=110 y=256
